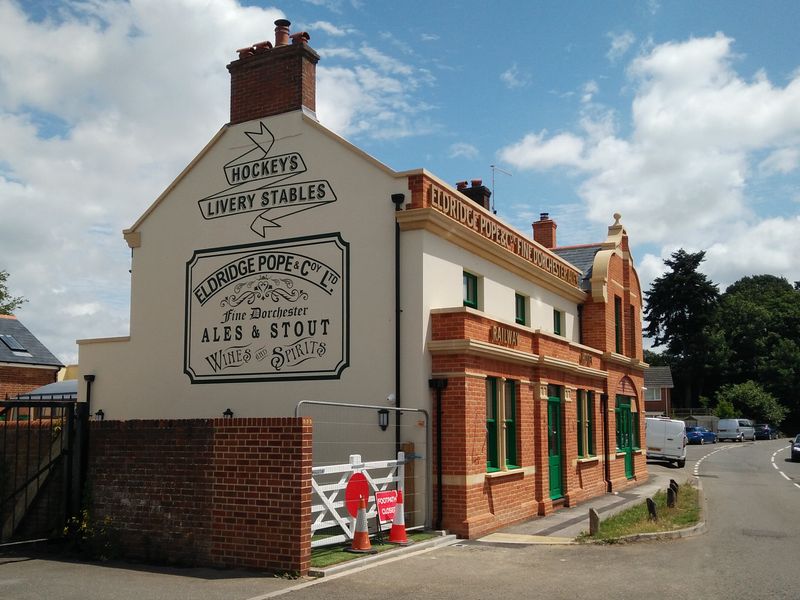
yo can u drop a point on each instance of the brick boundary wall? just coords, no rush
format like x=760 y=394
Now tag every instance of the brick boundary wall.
x=232 y=493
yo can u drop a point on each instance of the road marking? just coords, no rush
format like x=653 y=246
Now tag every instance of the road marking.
x=774 y=465
x=786 y=477
x=365 y=567
x=797 y=485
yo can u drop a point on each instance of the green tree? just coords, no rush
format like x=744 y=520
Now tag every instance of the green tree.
x=758 y=322
x=752 y=401
x=8 y=303
x=655 y=359
x=680 y=313
x=724 y=409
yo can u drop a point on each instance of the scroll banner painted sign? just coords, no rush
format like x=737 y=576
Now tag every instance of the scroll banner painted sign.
x=357 y=488
x=268 y=311
x=253 y=178
x=386 y=503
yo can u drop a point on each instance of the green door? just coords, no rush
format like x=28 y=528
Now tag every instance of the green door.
x=625 y=432
x=554 y=445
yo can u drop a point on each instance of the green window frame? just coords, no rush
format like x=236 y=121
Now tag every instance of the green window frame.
x=585 y=417
x=520 y=315
x=510 y=421
x=580 y=417
x=589 y=418
x=618 y=324
x=470 y=290
x=557 y=322
x=492 y=463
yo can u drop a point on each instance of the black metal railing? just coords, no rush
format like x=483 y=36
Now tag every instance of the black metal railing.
x=41 y=449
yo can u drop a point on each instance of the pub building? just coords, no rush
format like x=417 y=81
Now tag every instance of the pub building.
x=284 y=264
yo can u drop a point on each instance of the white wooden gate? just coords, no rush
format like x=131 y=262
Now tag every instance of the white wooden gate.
x=328 y=510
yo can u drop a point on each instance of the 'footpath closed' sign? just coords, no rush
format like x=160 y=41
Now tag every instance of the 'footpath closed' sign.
x=386 y=503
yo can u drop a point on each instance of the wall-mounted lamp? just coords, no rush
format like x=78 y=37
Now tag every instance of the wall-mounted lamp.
x=100 y=415
x=228 y=414
x=383 y=419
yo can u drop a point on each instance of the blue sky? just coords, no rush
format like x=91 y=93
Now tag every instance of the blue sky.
x=682 y=116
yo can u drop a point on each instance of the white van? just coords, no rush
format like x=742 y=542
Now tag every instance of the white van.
x=666 y=439
x=736 y=430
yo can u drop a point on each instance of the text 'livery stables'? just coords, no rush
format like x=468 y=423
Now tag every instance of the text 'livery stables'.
x=304 y=318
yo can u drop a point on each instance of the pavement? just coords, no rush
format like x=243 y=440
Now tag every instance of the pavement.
x=565 y=524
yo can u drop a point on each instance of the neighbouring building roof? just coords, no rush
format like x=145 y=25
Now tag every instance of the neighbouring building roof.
x=20 y=346
x=583 y=258
x=658 y=377
x=59 y=390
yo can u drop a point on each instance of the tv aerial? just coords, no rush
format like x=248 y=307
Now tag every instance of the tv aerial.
x=504 y=172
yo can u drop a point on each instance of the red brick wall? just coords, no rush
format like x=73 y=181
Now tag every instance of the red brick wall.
x=21 y=380
x=214 y=492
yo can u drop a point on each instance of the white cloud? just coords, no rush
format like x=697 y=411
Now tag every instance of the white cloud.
x=331 y=29
x=513 y=78
x=590 y=88
x=373 y=95
x=783 y=160
x=536 y=152
x=88 y=97
x=463 y=150
x=681 y=177
x=620 y=44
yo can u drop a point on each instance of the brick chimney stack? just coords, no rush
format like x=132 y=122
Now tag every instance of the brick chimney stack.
x=478 y=192
x=268 y=80
x=544 y=231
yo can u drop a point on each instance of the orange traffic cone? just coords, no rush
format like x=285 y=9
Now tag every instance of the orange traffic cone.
x=397 y=534
x=361 y=536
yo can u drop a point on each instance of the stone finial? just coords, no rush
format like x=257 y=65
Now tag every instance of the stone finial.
x=617 y=217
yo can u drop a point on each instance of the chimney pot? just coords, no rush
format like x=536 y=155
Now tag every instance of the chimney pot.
x=544 y=216
x=477 y=182
x=282 y=32
x=262 y=47
x=300 y=37
x=461 y=185
x=244 y=52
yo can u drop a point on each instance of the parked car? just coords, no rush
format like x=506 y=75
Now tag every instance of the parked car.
x=736 y=430
x=700 y=435
x=666 y=439
x=766 y=432
x=795 y=446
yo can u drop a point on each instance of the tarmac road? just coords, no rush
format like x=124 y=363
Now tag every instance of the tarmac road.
x=749 y=551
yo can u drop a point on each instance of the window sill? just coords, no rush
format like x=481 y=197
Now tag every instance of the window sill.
x=498 y=474
x=589 y=459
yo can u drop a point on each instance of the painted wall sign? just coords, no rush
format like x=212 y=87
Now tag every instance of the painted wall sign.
x=463 y=211
x=254 y=179
x=268 y=311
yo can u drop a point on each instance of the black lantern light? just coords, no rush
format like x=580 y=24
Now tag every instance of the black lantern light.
x=383 y=419
x=228 y=414
x=100 y=415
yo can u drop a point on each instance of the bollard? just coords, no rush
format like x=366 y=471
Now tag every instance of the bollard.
x=674 y=484
x=651 y=508
x=671 y=497
x=594 y=522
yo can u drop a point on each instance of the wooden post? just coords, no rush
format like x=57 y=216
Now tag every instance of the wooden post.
x=651 y=508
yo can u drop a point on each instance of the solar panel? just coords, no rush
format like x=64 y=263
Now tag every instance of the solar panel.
x=12 y=343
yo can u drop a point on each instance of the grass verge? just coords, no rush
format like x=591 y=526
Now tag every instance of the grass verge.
x=637 y=519
x=333 y=555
